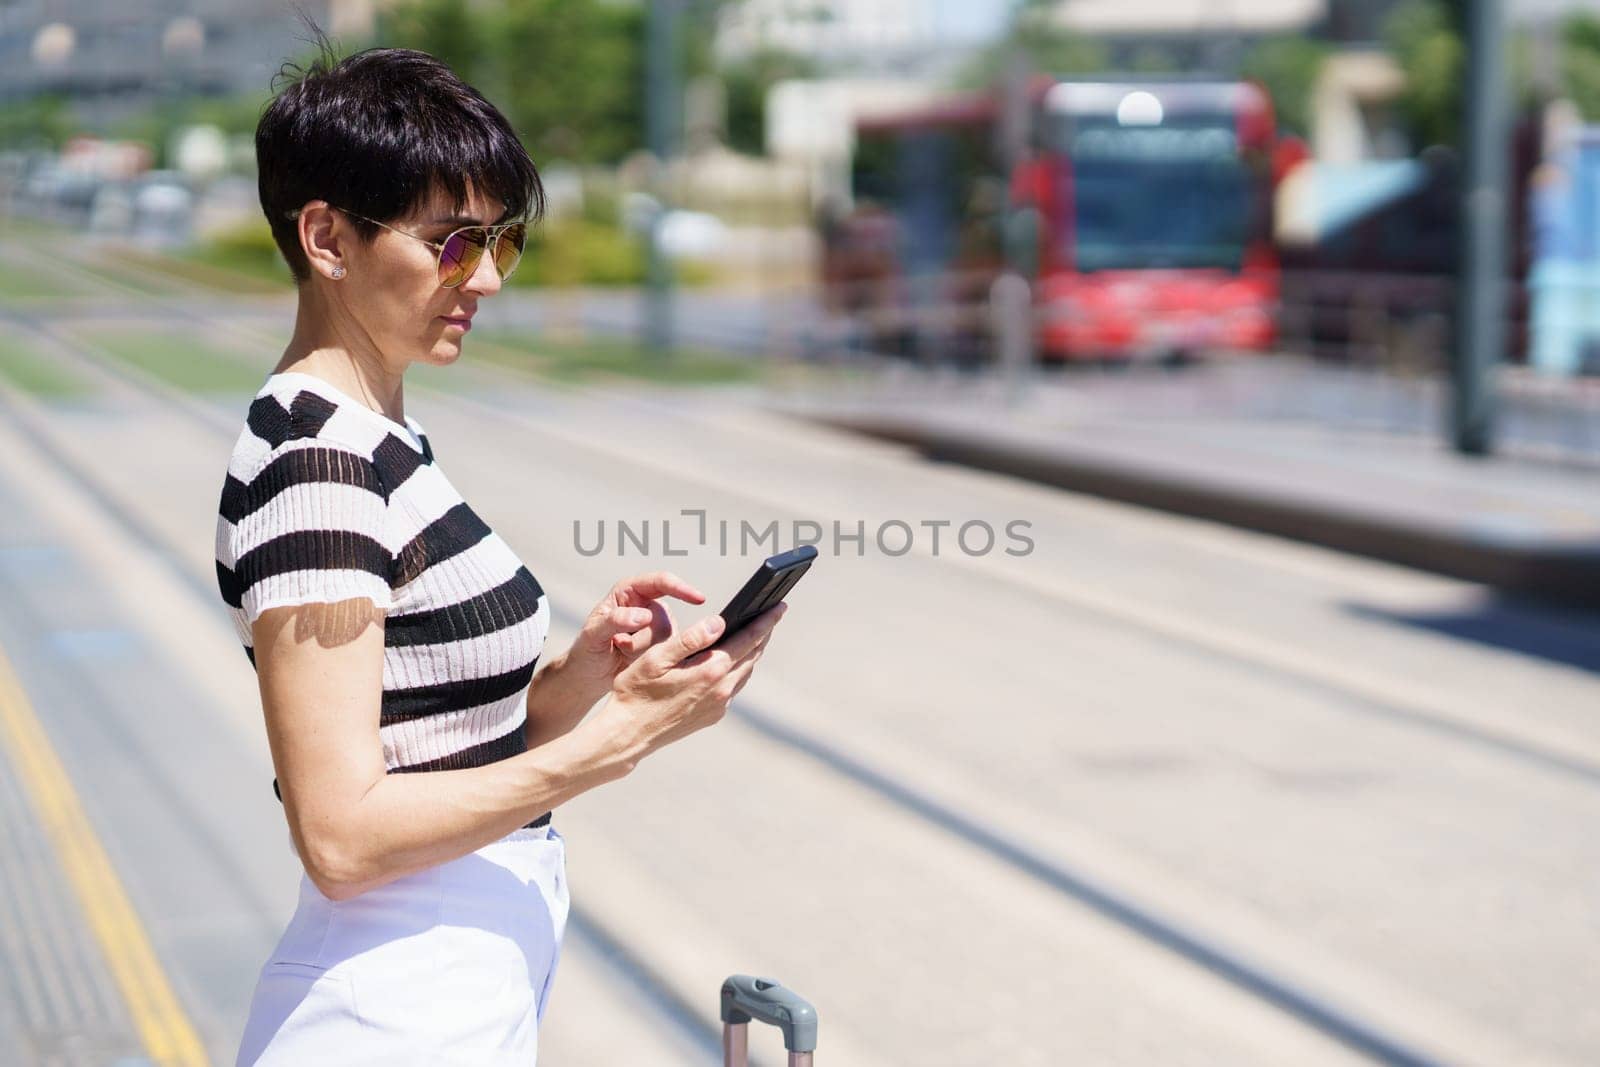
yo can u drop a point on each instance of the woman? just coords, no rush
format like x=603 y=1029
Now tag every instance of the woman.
x=394 y=635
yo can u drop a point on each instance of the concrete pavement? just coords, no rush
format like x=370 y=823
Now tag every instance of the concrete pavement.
x=695 y=937
x=1230 y=730
x=1517 y=524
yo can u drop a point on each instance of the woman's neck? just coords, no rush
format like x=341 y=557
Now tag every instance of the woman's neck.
x=342 y=354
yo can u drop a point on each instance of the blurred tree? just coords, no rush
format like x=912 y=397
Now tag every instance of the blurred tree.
x=1580 y=62
x=1048 y=47
x=1427 y=41
x=39 y=122
x=455 y=31
x=569 y=74
x=574 y=76
x=155 y=126
x=231 y=114
x=1287 y=67
x=1152 y=59
x=746 y=84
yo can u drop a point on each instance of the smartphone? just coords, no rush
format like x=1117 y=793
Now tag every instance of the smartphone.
x=769 y=584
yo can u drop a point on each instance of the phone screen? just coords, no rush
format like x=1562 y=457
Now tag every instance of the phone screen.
x=769 y=584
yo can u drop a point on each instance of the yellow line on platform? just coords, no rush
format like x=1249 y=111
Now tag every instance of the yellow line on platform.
x=168 y=1036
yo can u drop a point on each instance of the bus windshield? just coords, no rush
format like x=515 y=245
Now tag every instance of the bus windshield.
x=1174 y=195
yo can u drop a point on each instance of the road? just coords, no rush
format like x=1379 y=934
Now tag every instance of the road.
x=1153 y=791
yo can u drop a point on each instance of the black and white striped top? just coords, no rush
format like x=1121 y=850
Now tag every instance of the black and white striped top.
x=327 y=499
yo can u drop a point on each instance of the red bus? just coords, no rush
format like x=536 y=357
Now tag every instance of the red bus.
x=1152 y=221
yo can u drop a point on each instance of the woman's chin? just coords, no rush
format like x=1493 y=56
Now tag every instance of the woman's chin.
x=445 y=352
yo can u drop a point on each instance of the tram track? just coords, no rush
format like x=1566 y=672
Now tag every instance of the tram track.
x=1227 y=964
x=1544 y=745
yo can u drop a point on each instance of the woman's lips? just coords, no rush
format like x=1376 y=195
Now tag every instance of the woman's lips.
x=464 y=323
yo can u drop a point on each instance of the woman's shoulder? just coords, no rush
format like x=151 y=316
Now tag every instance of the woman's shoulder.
x=291 y=413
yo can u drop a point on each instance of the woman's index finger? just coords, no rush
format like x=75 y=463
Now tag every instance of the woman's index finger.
x=663 y=583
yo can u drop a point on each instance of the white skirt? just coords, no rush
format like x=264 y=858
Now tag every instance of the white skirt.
x=449 y=965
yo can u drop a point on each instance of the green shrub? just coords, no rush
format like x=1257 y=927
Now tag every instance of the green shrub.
x=246 y=248
x=579 y=251
x=571 y=252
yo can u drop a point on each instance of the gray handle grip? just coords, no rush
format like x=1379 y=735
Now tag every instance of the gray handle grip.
x=745 y=998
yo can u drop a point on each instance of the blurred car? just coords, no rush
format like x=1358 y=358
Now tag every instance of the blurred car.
x=60 y=192
x=163 y=208
x=692 y=235
x=111 y=210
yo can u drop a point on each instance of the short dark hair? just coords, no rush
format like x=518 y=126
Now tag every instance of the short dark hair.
x=377 y=133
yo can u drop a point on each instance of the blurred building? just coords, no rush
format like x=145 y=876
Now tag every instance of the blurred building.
x=1187 y=34
x=112 y=59
x=856 y=35
x=1105 y=18
x=823 y=28
x=811 y=123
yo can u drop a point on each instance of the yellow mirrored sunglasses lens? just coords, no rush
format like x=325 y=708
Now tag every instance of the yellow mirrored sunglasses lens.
x=460 y=255
x=508 y=249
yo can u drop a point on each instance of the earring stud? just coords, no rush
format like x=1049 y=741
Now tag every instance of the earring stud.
x=338 y=272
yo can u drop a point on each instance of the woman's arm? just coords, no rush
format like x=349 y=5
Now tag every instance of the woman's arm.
x=558 y=699
x=356 y=827
x=628 y=621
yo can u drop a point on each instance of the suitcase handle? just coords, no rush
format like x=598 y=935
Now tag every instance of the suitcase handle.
x=745 y=998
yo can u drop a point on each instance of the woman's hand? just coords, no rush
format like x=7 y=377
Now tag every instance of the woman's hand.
x=622 y=626
x=681 y=685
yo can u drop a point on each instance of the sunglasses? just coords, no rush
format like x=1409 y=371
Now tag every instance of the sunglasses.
x=460 y=252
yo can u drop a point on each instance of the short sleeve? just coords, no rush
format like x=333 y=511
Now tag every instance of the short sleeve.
x=311 y=527
x=422 y=438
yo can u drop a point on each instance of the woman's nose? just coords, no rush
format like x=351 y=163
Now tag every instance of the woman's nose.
x=485 y=280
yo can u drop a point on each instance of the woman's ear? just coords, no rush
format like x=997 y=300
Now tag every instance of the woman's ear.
x=319 y=241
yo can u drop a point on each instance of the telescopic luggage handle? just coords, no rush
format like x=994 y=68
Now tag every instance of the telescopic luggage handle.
x=745 y=998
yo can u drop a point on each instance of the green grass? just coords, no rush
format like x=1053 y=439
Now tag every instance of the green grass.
x=214 y=267
x=139 y=279
x=34 y=374
x=154 y=273
x=59 y=277
x=18 y=283
x=26 y=226
x=595 y=359
x=218 y=266
x=180 y=362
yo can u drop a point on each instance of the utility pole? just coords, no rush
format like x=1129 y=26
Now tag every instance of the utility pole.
x=1481 y=295
x=1011 y=296
x=661 y=113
